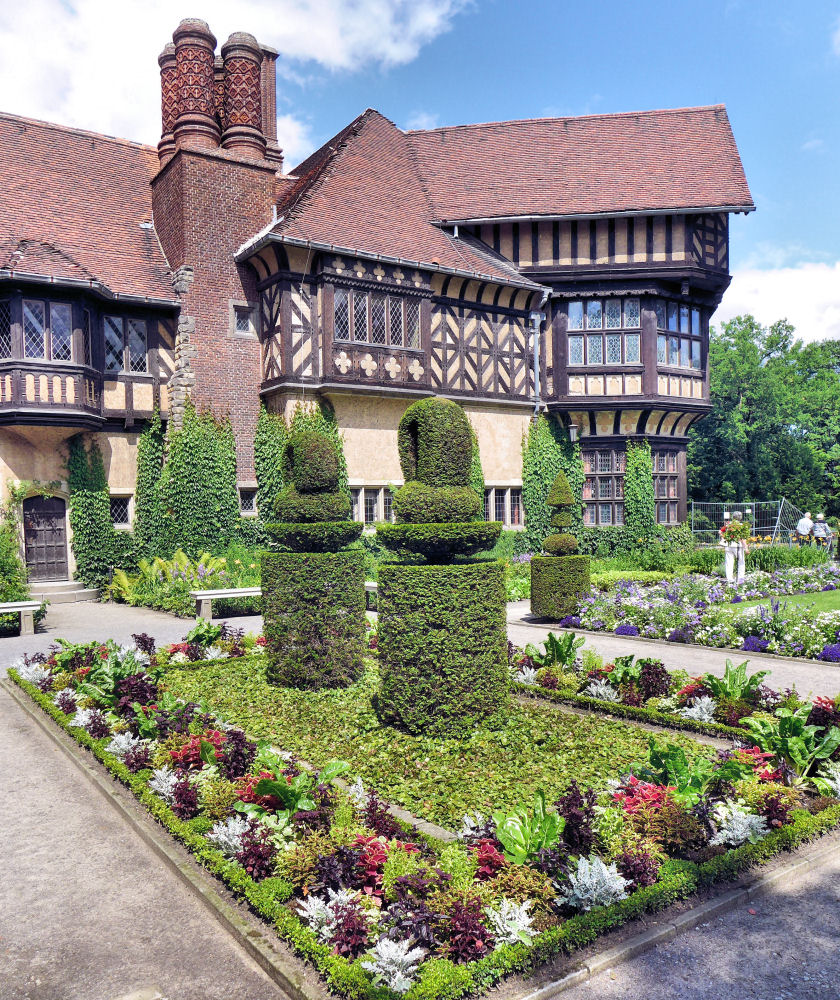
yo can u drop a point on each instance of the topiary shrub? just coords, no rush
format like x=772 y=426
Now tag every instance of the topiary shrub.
x=442 y=638
x=314 y=594
x=559 y=579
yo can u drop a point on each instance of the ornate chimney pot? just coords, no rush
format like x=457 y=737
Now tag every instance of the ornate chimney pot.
x=168 y=102
x=243 y=96
x=196 y=126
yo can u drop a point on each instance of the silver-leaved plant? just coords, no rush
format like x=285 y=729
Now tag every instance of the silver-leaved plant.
x=227 y=834
x=33 y=673
x=602 y=690
x=526 y=675
x=510 y=922
x=594 y=883
x=736 y=825
x=123 y=743
x=703 y=709
x=162 y=783
x=472 y=826
x=394 y=964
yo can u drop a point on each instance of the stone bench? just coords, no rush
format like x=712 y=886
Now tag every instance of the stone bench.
x=204 y=598
x=26 y=610
x=371 y=591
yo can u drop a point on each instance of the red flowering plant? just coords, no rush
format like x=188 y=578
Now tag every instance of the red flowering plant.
x=635 y=795
x=200 y=749
x=371 y=863
x=260 y=640
x=490 y=860
x=759 y=761
x=696 y=688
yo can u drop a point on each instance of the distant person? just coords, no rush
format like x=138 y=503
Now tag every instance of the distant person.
x=734 y=547
x=822 y=533
x=804 y=529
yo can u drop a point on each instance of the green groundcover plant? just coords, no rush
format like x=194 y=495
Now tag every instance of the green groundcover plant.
x=380 y=909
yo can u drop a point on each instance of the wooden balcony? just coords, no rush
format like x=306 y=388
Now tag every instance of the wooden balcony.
x=376 y=366
x=34 y=392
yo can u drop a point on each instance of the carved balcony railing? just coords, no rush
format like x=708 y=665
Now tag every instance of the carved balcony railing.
x=64 y=390
x=376 y=365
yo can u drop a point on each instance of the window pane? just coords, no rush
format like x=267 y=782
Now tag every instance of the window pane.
x=247 y=501
x=605 y=513
x=412 y=323
x=395 y=322
x=242 y=319
x=61 y=331
x=388 y=505
x=696 y=327
x=695 y=354
x=605 y=488
x=499 y=505
x=613 y=311
x=355 y=498
x=684 y=319
x=342 y=314
x=673 y=351
x=5 y=330
x=137 y=345
x=614 y=349
x=360 y=316
x=589 y=488
x=619 y=513
x=661 y=459
x=631 y=312
x=632 y=349
x=516 y=506
x=672 y=487
x=377 y=319
x=119 y=510
x=589 y=514
x=662 y=513
x=673 y=316
x=595 y=350
x=660 y=315
x=575 y=315
x=371 y=497
x=575 y=350
x=589 y=461
x=672 y=461
x=659 y=487
x=86 y=334
x=684 y=352
x=619 y=487
x=672 y=513
x=662 y=349
x=605 y=461
x=487 y=499
x=113 y=343
x=620 y=456
x=594 y=315
x=33 y=329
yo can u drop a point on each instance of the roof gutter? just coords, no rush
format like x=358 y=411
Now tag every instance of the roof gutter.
x=693 y=210
x=9 y=274
x=254 y=246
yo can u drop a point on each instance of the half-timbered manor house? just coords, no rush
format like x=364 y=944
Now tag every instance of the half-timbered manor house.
x=566 y=264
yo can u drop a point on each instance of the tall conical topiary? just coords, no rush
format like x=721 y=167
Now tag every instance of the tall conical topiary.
x=442 y=631
x=559 y=578
x=313 y=590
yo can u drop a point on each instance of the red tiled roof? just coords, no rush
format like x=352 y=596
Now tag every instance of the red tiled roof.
x=362 y=191
x=679 y=160
x=72 y=207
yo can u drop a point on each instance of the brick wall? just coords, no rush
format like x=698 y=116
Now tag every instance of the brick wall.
x=206 y=204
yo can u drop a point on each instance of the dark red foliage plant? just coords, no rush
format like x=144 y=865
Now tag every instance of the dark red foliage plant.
x=377 y=818
x=638 y=866
x=65 y=701
x=139 y=688
x=185 y=798
x=138 y=758
x=469 y=938
x=97 y=725
x=339 y=870
x=189 y=756
x=351 y=930
x=654 y=680
x=238 y=756
x=577 y=807
x=145 y=643
x=489 y=859
x=257 y=853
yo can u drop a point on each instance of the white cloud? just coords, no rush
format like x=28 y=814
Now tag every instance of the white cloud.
x=295 y=138
x=421 y=120
x=806 y=295
x=812 y=145
x=93 y=63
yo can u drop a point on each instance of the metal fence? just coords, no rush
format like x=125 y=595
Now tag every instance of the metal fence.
x=770 y=519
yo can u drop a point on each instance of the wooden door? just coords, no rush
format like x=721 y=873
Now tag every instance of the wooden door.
x=45 y=538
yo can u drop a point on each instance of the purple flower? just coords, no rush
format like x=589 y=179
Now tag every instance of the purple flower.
x=570 y=621
x=829 y=586
x=626 y=630
x=831 y=653
x=737 y=599
x=680 y=635
x=755 y=644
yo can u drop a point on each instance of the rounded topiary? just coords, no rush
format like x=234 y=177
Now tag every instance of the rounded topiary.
x=560 y=545
x=303 y=507
x=437 y=541
x=421 y=504
x=562 y=519
x=311 y=462
x=435 y=443
x=317 y=536
x=560 y=494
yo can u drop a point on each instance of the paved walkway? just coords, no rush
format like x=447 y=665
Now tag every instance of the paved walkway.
x=809 y=676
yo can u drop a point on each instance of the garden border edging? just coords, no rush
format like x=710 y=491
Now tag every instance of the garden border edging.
x=286 y=973
x=250 y=936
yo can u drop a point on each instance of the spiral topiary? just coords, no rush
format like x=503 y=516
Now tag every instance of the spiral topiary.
x=442 y=634
x=313 y=593
x=559 y=578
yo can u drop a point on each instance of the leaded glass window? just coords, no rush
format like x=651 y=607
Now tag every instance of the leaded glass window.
x=34 y=329
x=575 y=316
x=499 y=506
x=589 y=514
x=614 y=349
x=661 y=322
x=696 y=327
x=113 y=343
x=674 y=351
x=605 y=463
x=685 y=349
x=673 y=316
x=137 y=345
x=86 y=336
x=595 y=349
x=61 y=331
x=632 y=349
x=619 y=513
x=684 y=327
x=395 y=331
x=632 y=316
x=377 y=319
x=695 y=354
x=662 y=349
x=516 y=506
x=412 y=323
x=613 y=314
x=594 y=315
x=575 y=350
x=605 y=489
x=371 y=498
x=360 y=317
x=5 y=330
x=605 y=513
x=589 y=488
x=342 y=314
x=120 y=510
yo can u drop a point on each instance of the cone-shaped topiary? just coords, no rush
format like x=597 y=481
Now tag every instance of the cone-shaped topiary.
x=559 y=578
x=313 y=595
x=442 y=636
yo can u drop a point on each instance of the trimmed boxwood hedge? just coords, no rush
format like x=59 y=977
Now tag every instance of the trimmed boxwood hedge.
x=314 y=617
x=437 y=542
x=557 y=584
x=320 y=536
x=442 y=647
x=421 y=504
x=308 y=507
x=441 y=978
x=311 y=461
x=435 y=443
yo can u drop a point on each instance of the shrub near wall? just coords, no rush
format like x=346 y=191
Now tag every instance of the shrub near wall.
x=546 y=451
x=94 y=543
x=559 y=578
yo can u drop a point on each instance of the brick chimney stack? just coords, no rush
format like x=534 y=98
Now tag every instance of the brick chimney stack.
x=168 y=102
x=243 y=117
x=268 y=85
x=196 y=126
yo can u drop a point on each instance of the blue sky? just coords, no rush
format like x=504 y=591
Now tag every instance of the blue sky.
x=775 y=65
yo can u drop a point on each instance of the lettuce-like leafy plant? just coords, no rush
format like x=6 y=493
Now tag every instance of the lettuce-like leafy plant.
x=524 y=833
x=560 y=651
x=793 y=741
x=669 y=766
x=735 y=685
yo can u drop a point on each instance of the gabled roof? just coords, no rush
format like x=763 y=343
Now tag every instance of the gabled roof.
x=362 y=192
x=78 y=205
x=675 y=160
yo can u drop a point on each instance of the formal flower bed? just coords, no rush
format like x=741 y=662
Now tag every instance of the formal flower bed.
x=697 y=609
x=645 y=689
x=382 y=910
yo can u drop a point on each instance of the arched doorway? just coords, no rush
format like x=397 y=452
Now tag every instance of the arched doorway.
x=45 y=537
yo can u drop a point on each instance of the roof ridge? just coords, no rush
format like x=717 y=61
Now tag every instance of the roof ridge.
x=74 y=130
x=567 y=118
x=32 y=242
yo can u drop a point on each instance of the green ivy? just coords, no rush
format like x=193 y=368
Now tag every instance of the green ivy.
x=94 y=539
x=477 y=473
x=546 y=451
x=639 y=502
x=269 y=444
x=149 y=517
